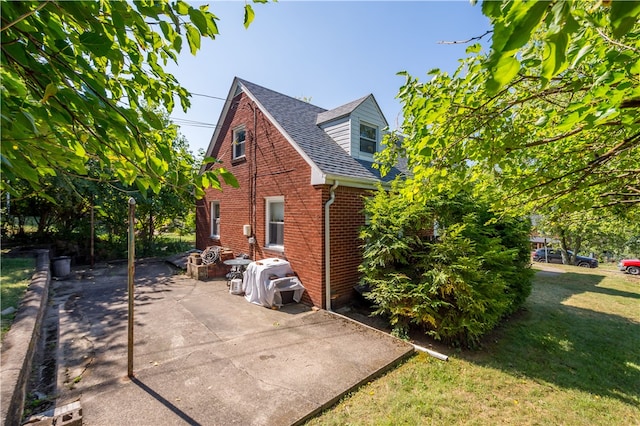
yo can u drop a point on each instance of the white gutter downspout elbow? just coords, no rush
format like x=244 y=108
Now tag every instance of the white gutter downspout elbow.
x=327 y=246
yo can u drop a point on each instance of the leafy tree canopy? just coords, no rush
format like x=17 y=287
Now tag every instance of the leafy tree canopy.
x=605 y=233
x=549 y=118
x=84 y=81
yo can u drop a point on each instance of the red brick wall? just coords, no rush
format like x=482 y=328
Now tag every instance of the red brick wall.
x=279 y=171
x=346 y=220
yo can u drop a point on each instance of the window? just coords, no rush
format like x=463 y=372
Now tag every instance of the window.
x=215 y=219
x=239 y=136
x=368 y=138
x=275 y=222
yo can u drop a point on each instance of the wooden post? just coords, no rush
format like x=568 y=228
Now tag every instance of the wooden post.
x=132 y=249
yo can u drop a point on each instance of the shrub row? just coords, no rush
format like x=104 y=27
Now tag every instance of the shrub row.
x=447 y=265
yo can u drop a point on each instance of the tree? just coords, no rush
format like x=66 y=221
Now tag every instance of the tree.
x=456 y=287
x=605 y=233
x=84 y=81
x=548 y=119
x=67 y=220
x=169 y=203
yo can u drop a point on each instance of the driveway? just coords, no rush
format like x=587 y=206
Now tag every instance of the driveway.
x=203 y=356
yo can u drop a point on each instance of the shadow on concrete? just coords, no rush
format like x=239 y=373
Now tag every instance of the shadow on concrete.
x=178 y=412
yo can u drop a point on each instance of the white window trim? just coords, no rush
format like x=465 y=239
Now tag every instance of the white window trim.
x=376 y=140
x=211 y=206
x=233 y=142
x=267 y=204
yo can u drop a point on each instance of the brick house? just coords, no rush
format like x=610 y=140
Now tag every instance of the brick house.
x=303 y=172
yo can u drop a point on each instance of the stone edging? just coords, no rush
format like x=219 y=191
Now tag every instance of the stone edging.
x=20 y=343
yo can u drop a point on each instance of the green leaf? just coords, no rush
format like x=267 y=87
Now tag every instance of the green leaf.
x=96 y=43
x=193 y=37
x=198 y=19
x=491 y=9
x=581 y=53
x=182 y=8
x=623 y=16
x=13 y=83
x=554 y=60
x=168 y=31
x=524 y=17
x=505 y=70
x=249 y=14
x=228 y=177
x=474 y=48
x=50 y=91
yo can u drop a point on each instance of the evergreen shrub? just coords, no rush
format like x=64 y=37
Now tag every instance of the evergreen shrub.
x=458 y=284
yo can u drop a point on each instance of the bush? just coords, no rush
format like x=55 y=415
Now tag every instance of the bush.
x=456 y=286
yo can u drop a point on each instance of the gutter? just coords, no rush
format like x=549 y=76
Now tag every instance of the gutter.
x=327 y=245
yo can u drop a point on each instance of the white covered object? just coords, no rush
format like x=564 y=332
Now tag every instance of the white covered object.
x=258 y=288
x=286 y=284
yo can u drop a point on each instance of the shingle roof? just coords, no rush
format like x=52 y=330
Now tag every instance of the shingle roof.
x=341 y=111
x=298 y=119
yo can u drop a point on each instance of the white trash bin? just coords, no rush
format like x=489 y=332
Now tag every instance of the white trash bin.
x=236 y=286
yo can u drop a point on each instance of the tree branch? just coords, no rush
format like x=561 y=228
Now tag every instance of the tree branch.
x=468 y=40
x=615 y=43
x=25 y=15
x=552 y=139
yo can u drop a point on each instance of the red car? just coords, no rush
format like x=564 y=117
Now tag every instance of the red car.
x=630 y=266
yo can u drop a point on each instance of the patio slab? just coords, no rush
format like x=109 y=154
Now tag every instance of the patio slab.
x=203 y=356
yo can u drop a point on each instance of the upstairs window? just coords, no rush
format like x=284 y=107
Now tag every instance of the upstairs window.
x=275 y=222
x=239 y=136
x=368 y=138
x=215 y=219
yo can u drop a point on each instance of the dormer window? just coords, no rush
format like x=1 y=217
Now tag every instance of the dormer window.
x=239 y=136
x=368 y=138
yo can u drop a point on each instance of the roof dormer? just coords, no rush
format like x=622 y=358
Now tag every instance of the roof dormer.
x=357 y=127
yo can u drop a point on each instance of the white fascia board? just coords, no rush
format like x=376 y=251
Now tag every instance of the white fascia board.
x=375 y=103
x=317 y=177
x=353 y=182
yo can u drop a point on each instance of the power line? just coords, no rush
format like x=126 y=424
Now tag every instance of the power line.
x=208 y=96
x=193 y=123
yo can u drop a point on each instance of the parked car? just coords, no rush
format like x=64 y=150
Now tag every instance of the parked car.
x=555 y=256
x=630 y=266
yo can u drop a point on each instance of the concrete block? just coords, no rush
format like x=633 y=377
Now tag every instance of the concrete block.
x=200 y=272
x=69 y=415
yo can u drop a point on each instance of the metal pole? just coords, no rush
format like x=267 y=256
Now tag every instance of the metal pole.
x=93 y=232
x=132 y=249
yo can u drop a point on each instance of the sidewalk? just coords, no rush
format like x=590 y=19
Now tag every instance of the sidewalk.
x=203 y=356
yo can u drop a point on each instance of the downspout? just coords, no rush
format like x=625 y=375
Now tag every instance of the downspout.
x=327 y=246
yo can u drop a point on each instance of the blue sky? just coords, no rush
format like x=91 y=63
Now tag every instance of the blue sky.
x=330 y=51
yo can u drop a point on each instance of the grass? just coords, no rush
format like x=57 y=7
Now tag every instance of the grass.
x=571 y=357
x=14 y=278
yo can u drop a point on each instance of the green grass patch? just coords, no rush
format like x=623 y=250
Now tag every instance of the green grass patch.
x=570 y=356
x=15 y=276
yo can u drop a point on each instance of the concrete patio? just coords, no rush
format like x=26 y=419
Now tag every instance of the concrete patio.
x=203 y=356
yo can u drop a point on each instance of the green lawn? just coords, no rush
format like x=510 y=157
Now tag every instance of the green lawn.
x=15 y=276
x=571 y=356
